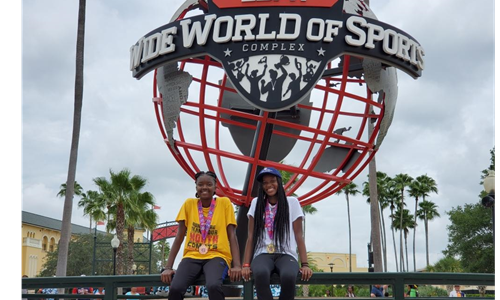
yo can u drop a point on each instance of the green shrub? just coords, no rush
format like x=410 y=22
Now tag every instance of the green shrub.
x=431 y=291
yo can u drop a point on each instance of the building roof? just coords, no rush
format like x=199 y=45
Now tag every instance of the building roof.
x=46 y=222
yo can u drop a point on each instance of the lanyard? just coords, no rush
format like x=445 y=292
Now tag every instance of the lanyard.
x=269 y=220
x=205 y=222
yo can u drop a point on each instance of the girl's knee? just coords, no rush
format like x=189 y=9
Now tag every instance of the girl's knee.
x=259 y=273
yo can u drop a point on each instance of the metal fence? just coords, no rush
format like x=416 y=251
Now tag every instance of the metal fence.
x=114 y=284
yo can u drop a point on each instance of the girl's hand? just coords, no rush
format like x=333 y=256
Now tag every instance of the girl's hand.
x=235 y=274
x=245 y=273
x=166 y=276
x=306 y=273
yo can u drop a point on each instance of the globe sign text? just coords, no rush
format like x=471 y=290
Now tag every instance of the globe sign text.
x=238 y=32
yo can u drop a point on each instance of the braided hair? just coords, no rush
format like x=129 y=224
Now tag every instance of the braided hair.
x=209 y=173
x=281 y=219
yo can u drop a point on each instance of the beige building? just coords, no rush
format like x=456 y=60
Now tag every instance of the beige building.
x=340 y=261
x=41 y=235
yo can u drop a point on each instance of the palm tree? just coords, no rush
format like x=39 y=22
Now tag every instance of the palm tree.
x=447 y=264
x=416 y=190
x=92 y=205
x=349 y=189
x=427 y=212
x=382 y=189
x=375 y=235
x=393 y=200
x=428 y=184
x=77 y=190
x=407 y=224
x=421 y=186
x=401 y=181
x=118 y=193
x=63 y=247
x=374 y=214
x=164 y=247
x=138 y=212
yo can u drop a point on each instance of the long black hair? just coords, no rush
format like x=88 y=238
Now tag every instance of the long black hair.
x=281 y=219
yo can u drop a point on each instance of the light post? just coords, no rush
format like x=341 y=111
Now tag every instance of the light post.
x=489 y=200
x=331 y=270
x=115 y=243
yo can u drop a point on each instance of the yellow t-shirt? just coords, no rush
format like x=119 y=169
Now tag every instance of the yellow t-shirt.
x=217 y=240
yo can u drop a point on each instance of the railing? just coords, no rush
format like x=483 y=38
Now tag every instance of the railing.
x=112 y=284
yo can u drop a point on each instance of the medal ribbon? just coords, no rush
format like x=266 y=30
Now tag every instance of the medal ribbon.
x=205 y=222
x=269 y=220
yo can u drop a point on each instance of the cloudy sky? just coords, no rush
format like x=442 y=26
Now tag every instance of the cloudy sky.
x=443 y=124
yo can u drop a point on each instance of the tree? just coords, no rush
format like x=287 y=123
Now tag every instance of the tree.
x=118 y=194
x=415 y=190
x=470 y=237
x=138 y=212
x=427 y=212
x=374 y=208
x=349 y=189
x=164 y=249
x=382 y=191
x=470 y=234
x=447 y=264
x=393 y=199
x=62 y=259
x=80 y=256
x=77 y=190
x=92 y=207
x=401 y=181
x=420 y=187
x=404 y=225
x=375 y=239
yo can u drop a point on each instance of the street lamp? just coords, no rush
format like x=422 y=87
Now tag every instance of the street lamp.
x=115 y=243
x=489 y=200
x=331 y=267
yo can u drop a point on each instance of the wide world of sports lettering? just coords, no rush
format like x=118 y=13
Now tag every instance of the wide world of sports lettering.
x=256 y=33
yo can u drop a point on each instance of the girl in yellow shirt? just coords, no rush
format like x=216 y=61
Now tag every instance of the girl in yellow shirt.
x=209 y=225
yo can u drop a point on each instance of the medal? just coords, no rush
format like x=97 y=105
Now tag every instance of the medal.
x=269 y=225
x=203 y=249
x=205 y=225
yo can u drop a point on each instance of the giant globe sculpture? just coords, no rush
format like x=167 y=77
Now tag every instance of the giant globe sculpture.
x=216 y=111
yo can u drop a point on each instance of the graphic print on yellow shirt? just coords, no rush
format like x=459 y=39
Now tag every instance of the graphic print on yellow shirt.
x=217 y=240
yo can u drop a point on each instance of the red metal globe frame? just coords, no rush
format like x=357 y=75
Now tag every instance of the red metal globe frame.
x=329 y=183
